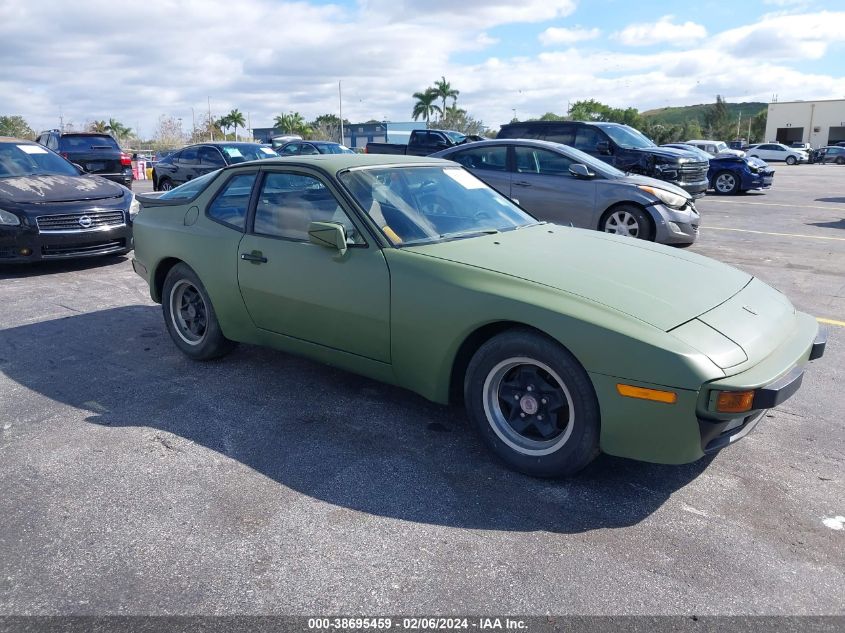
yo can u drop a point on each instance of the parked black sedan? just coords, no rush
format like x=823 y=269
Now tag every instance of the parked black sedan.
x=50 y=209
x=203 y=158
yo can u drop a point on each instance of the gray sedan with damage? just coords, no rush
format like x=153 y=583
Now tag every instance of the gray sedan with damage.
x=564 y=185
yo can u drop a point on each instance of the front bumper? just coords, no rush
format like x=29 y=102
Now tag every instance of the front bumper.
x=717 y=434
x=675 y=226
x=26 y=245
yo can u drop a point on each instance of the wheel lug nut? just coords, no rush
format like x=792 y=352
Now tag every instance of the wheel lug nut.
x=539 y=417
x=543 y=400
x=530 y=387
x=522 y=415
x=516 y=396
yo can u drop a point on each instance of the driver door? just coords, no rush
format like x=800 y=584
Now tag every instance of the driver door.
x=308 y=292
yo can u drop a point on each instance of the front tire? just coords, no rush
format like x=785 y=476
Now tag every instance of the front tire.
x=791 y=160
x=726 y=183
x=165 y=184
x=840 y=160
x=533 y=404
x=628 y=220
x=190 y=317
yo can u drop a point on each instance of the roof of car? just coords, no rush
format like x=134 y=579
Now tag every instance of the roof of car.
x=337 y=162
x=502 y=141
x=221 y=143
x=699 y=140
x=12 y=139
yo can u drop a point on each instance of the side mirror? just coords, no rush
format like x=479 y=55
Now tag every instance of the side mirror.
x=580 y=170
x=603 y=147
x=328 y=235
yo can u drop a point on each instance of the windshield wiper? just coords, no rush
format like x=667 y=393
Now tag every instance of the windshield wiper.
x=460 y=234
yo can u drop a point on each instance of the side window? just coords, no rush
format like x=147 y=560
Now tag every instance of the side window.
x=209 y=156
x=231 y=202
x=489 y=158
x=188 y=157
x=561 y=134
x=308 y=149
x=291 y=149
x=541 y=161
x=586 y=138
x=52 y=142
x=288 y=203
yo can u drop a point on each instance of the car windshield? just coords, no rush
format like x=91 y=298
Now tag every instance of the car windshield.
x=627 y=137
x=333 y=148
x=721 y=147
x=30 y=159
x=190 y=189
x=457 y=137
x=243 y=152
x=427 y=204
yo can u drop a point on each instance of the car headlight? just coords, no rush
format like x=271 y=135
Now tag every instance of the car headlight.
x=666 y=197
x=9 y=219
x=134 y=207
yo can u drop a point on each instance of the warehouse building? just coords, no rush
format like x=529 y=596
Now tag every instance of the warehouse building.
x=818 y=123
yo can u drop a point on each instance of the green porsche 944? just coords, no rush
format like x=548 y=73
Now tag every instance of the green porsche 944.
x=560 y=342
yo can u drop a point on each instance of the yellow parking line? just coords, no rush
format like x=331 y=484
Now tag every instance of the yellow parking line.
x=812 y=237
x=797 y=205
x=831 y=321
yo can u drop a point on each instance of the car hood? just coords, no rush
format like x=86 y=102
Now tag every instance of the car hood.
x=656 y=284
x=54 y=188
x=670 y=153
x=637 y=180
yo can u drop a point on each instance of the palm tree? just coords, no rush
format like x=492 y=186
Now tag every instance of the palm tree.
x=236 y=118
x=443 y=89
x=99 y=127
x=224 y=123
x=292 y=123
x=118 y=130
x=425 y=107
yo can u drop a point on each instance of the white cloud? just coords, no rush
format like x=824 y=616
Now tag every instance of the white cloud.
x=479 y=13
x=560 y=35
x=786 y=37
x=664 y=31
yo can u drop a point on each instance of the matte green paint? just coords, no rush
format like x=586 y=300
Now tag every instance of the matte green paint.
x=629 y=311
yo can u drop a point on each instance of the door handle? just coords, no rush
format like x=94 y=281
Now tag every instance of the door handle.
x=522 y=183
x=257 y=258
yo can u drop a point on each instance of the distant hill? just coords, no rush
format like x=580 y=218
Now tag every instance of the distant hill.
x=677 y=115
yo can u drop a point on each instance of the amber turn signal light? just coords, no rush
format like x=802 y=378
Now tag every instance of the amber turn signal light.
x=734 y=401
x=630 y=391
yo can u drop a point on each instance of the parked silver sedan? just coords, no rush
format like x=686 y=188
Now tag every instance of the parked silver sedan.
x=561 y=184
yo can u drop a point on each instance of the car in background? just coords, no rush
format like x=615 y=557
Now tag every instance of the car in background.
x=96 y=153
x=740 y=144
x=804 y=147
x=830 y=154
x=712 y=148
x=277 y=141
x=50 y=209
x=777 y=151
x=202 y=158
x=561 y=343
x=420 y=143
x=567 y=186
x=731 y=173
x=619 y=145
x=305 y=148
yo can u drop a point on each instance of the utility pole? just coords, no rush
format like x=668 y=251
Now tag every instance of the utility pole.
x=210 y=121
x=738 y=122
x=249 y=124
x=340 y=107
x=193 y=124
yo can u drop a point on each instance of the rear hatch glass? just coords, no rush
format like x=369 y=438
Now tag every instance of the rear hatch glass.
x=98 y=154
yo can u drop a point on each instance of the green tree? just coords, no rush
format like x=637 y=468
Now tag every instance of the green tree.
x=589 y=110
x=425 y=106
x=15 y=125
x=118 y=130
x=551 y=116
x=292 y=123
x=758 y=127
x=443 y=89
x=326 y=127
x=717 y=119
x=236 y=118
x=100 y=127
x=454 y=118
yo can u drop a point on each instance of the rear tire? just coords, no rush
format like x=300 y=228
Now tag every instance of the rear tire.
x=533 y=404
x=190 y=317
x=726 y=183
x=628 y=220
x=840 y=160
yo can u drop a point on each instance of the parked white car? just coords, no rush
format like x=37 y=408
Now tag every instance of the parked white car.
x=715 y=148
x=777 y=151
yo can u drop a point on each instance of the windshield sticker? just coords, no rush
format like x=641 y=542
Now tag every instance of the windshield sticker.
x=464 y=179
x=32 y=149
x=234 y=152
x=267 y=150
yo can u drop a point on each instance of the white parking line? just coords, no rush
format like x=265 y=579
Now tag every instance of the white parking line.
x=812 y=237
x=791 y=206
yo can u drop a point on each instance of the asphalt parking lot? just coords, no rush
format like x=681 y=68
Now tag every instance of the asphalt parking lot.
x=138 y=482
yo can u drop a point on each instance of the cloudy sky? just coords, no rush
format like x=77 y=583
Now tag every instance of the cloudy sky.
x=135 y=61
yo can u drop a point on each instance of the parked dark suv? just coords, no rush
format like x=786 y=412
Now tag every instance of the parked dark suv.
x=197 y=160
x=96 y=153
x=621 y=146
